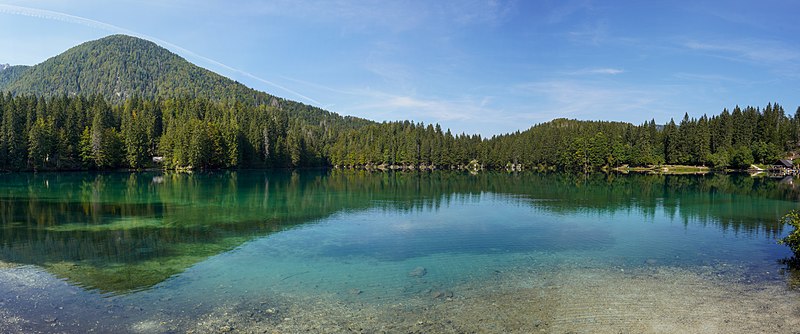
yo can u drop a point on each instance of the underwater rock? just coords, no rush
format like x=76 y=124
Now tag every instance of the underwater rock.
x=442 y=294
x=651 y=261
x=418 y=272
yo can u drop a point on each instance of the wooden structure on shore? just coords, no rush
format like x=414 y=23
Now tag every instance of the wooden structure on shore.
x=783 y=167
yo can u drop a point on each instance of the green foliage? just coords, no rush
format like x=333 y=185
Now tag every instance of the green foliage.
x=11 y=74
x=121 y=67
x=88 y=132
x=86 y=154
x=719 y=160
x=793 y=239
x=40 y=143
x=742 y=157
x=119 y=101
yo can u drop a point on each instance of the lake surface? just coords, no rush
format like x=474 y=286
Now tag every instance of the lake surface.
x=345 y=251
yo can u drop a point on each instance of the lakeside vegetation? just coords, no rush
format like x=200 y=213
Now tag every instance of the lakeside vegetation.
x=91 y=133
x=120 y=101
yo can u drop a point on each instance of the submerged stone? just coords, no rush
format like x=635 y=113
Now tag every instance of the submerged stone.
x=442 y=294
x=418 y=272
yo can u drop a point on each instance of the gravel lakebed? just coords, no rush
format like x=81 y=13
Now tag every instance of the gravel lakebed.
x=546 y=299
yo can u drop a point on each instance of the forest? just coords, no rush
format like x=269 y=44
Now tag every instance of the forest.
x=92 y=133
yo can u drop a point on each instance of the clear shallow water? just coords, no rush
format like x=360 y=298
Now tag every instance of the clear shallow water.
x=78 y=246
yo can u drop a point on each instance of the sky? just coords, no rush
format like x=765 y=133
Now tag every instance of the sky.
x=474 y=66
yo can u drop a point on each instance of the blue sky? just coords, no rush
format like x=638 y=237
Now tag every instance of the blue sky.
x=486 y=67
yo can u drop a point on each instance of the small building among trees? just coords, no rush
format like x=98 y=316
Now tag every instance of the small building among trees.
x=783 y=166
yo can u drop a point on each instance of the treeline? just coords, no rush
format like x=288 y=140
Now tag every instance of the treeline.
x=85 y=133
x=79 y=133
x=405 y=144
x=731 y=139
x=121 y=67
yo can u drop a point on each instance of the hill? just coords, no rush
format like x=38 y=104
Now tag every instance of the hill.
x=10 y=73
x=119 y=67
x=124 y=102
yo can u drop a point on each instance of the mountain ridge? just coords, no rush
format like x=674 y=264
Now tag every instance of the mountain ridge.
x=135 y=101
x=119 y=67
x=10 y=73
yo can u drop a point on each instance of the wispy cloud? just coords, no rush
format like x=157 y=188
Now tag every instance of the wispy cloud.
x=68 y=18
x=480 y=11
x=428 y=109
x=381 y=105
x=611 y=71
x=63 y=17
x=591 y=33
x=592 y=100
x=381 y=62
x=349 y=15
x=566 y=9
x=710 y=78
x=394 y=16
x=753 y=15
x=597 y=71
x=754 y=51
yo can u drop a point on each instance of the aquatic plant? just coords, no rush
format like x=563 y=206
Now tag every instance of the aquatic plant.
x=793 y=238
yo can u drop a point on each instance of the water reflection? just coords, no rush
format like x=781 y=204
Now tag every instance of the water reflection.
x=120 y=232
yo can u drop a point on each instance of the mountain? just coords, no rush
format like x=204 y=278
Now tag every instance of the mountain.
x=9 y=73
x=119 y=67
x=162 y=106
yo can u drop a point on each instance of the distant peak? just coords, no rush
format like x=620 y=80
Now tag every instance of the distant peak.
x=122 y=37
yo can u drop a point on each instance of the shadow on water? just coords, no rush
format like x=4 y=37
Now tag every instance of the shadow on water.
x=122 y=232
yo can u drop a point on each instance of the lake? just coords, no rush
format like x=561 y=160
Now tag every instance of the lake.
x=352 y=251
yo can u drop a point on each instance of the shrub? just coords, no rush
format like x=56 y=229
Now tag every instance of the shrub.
x=793 y=239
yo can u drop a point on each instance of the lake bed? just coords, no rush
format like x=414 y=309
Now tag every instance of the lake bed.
x=338 y=251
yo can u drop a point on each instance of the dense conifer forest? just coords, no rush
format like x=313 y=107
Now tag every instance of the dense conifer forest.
x=78 y=133
x=124 y=102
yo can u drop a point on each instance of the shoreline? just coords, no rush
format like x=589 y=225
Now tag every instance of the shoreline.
x=540 y=297
x=569 y=299
x=658 y=170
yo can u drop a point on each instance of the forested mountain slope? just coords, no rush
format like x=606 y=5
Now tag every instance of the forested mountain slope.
x=10 y=73
x=119 y=67
x=120 y=101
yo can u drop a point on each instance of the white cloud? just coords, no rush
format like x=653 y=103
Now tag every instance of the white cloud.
x=597 y=71
x=484 y=114
x=479 y=11
x=754 y=51
x=591 y=33
x=63 y=17
x=712 y=78
x=565 y=10
x=367 y=15
x=593 y=100
x=427 y=109
x=611 y=71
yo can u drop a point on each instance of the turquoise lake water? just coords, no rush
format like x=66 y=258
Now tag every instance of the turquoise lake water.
x=114 y=251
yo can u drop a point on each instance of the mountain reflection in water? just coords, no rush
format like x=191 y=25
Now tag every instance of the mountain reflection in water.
x=123 y=232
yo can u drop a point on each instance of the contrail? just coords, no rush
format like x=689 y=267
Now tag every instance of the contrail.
x=64 y=17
